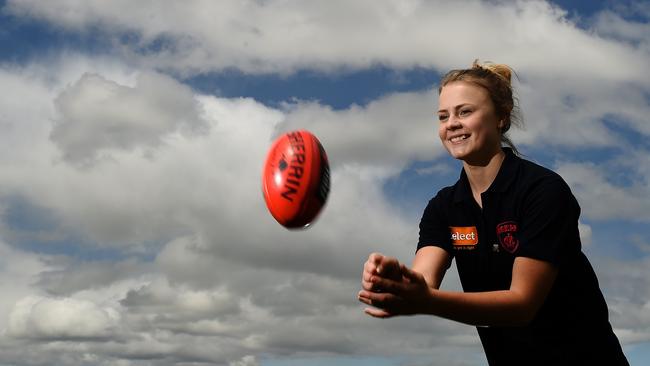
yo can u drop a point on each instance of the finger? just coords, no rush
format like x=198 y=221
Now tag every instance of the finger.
x=364 y=299
x=384 y=264
x=377 y=313
x=385 y=284
x=367 y=285
x=366 y=282
x=410 y=274
x=370 y=267
x=369 y=270
x=374 y=260
x=367 y=276
x=389 y=268
x=376 y=298
x=380 y=300
x=369 y=296
x=375 y=257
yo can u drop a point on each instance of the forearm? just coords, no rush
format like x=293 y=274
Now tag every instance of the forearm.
x=418 y=293
x=432 y=262
x=492 y=308
x=531 y=281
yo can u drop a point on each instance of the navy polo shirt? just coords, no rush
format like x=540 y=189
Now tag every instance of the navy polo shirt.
x=527 y=211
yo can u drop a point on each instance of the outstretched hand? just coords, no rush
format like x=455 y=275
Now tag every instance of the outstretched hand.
x=382 y=266
x=393 y=290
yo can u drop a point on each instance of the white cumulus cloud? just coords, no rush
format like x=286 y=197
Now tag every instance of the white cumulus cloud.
x=285 y=36
x=65 y=318
x=96 y=114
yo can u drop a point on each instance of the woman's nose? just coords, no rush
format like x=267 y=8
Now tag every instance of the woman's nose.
x=453 y=123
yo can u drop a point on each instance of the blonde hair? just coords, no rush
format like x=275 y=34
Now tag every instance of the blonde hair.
x=496 y=79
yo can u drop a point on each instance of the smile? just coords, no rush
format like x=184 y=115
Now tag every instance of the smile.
x=458 y=138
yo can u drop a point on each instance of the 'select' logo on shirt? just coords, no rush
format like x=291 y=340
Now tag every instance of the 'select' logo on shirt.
x=464 y=237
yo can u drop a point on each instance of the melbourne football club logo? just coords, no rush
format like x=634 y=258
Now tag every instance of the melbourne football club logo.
x=507 y=234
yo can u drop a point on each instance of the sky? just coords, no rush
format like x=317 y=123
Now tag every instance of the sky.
x=132 y=225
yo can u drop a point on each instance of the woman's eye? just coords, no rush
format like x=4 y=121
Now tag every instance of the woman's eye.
x=442 y=117
x=465 y=112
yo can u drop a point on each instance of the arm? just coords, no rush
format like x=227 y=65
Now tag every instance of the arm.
x=432 y=262
x=531 y=281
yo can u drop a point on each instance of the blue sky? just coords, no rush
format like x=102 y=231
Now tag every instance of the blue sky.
x=132 y=227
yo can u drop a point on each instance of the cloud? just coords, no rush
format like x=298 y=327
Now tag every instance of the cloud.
x=66 y=318
x=575 y=114
x=247 y=360
x=628 y=288
x=70 y=277
x=585 y=234
x=160 y=297
x=110 y=207
x=193 y=180
x=613 y=25
x=625 y=23
x=285 y=36
x=18 y=271
x=97 y=114
x=601 y=198
x=170 y=179
x=385 y=133
x=223 y=281
x=222 y=269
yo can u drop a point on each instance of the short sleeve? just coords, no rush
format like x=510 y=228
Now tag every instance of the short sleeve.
x=549 y=226
x=434 y=230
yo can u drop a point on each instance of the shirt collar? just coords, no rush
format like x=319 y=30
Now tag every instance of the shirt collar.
x=501 y=183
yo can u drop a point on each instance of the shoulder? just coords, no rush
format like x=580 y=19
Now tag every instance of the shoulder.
x=541 y=183
x=440 y=204
x=533 y=170
x=445 y=193
x=535 y=175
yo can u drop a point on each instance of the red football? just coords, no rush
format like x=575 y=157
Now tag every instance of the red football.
x=296 y=179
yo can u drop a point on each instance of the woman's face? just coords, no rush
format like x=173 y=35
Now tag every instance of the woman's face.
x=469 y=128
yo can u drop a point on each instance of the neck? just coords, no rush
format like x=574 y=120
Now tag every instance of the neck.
x=482 y=175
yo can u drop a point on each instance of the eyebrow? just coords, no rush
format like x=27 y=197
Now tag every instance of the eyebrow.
x=456 y=107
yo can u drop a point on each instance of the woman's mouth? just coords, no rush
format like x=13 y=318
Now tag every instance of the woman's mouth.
x=458 y=138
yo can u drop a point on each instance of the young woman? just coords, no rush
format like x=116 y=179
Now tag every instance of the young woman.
x=512 y=227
